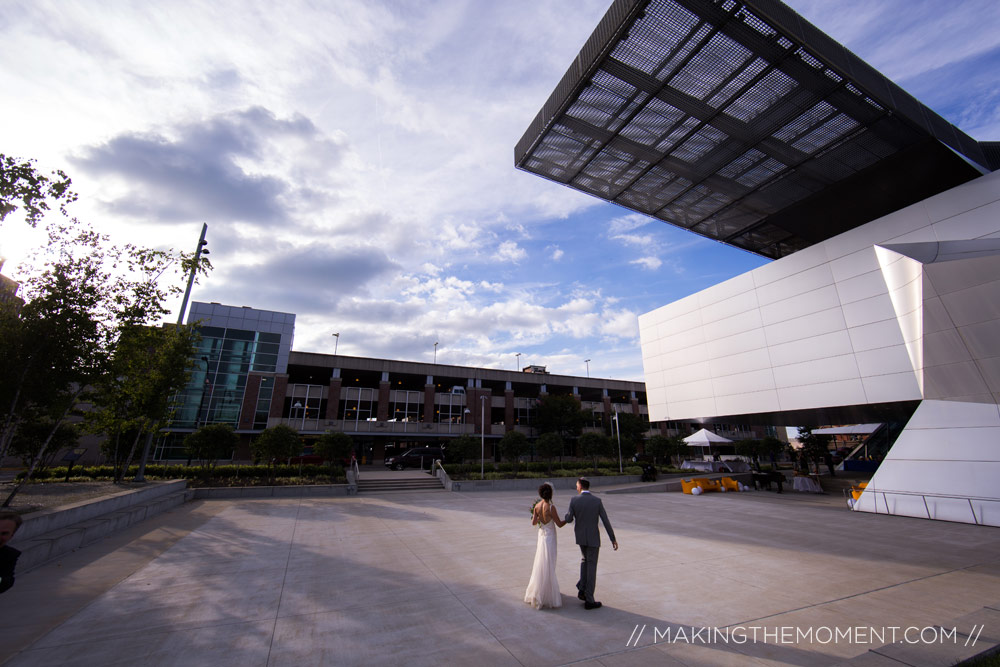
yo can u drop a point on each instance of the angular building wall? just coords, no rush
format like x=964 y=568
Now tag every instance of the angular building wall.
x=902 y=311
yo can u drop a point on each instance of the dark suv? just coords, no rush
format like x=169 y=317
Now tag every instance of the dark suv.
x=420 y=457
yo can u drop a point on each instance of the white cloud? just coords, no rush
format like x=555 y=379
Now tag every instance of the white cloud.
x=509 y=251
x=648 y=263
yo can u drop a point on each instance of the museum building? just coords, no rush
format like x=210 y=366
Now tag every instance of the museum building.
x=742 y=122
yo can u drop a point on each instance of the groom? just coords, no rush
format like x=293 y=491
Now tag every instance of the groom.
x=587 y=507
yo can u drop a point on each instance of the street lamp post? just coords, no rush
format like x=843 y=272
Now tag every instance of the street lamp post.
x=435 y=352
x=518 y=362
x=618 y=432
x=587 y=361
x=199 y=251
x=336 y=342
x=482 y=437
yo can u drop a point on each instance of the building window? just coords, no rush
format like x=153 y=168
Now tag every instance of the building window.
x=407 y=406
x=524 y=411
x=263 y=408
x=359 y=405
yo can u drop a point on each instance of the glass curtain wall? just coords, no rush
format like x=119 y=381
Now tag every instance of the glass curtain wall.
x=214 y=392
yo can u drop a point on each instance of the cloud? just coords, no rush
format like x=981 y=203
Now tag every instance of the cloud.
x=648 y=263
x=556 y=254
x=215 y=170
x=509 y=251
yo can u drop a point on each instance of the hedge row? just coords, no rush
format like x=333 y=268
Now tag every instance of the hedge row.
x=221 y=473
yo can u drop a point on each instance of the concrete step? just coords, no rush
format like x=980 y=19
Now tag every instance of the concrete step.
x=95 y=520
x=402 y=484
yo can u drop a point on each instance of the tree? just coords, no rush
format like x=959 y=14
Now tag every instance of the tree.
x=561 y=415
x=661 y=446
x=513 y=445
x=595 y=445
x=632 y=429
x=749 y=449
x=132 y=398
x=462 y=448
x=334 y=447
x=657 y=447
x=278 y=443
x=32 y=439
x=814 y=447
x=23 y=187
x=772 y=447
x=549 y=446
x=82 y=295
x=211 y=443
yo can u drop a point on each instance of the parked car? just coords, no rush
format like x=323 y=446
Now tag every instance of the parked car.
x=419 y=457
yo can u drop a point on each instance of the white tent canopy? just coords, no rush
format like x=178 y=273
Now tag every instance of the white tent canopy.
x=704 y=438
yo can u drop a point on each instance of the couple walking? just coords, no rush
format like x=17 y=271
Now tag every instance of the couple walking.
x=585 y=508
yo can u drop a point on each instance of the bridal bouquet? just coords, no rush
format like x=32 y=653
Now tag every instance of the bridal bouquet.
x=537 y=500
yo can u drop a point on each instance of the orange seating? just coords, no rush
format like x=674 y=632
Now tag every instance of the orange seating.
x=687 y=485
x=709 y=485
x=730 y=484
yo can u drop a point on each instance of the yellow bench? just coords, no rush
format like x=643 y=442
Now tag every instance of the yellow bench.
x=730 y=484
x=856 y=491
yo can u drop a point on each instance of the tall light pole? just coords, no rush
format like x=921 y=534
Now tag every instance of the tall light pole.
x=518 y=362
x=199 y=251
x=336 y=342
x=618 y=432
x=482 y=437
x=435 y=352
x=587 y=361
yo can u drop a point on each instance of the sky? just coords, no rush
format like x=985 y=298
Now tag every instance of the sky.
x=354 y=160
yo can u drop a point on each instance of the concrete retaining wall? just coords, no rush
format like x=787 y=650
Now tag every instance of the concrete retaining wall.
x=51 y=533
x=297 y=491
x=48 y=520
x=529 y=484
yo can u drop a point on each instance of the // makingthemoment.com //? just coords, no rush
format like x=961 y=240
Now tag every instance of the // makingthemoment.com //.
x=644 y=634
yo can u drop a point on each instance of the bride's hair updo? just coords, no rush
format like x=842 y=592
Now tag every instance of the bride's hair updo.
x=545 y=492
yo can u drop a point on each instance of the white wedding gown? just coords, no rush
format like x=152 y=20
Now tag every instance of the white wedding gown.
x=543 y=589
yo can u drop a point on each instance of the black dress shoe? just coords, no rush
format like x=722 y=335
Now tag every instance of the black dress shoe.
x=581 y=596
x=591 y=605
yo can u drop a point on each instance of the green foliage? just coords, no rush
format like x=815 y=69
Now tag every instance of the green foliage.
x=632 y=429
x=813 y=446
x=84 y=298
x=276 y=444
x=212 y=442
x=23 y=187
x=514 y=445
x=223 y=475
x=549 y=446
x=334 y=447
x=749 y=448
x=595 y=446
x=561 y=415
x=36 y=437
x=463 y=448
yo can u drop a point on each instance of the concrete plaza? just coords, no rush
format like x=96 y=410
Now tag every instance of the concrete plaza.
x=428 y=578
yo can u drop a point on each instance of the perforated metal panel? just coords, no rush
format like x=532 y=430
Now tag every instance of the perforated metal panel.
x=738 y=120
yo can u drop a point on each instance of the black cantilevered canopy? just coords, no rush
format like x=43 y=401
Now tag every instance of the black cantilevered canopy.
x=741 y=122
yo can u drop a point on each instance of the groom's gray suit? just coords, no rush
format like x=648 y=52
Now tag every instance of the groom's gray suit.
x=586 y=508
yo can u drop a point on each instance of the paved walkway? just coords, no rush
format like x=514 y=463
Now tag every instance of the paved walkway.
x=434 y=577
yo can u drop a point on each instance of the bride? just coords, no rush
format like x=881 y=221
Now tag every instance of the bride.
x=543 y=589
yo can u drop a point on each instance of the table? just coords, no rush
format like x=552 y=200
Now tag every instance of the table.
x=806 y=485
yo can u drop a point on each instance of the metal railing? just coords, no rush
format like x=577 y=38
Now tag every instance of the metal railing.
x=923 y=497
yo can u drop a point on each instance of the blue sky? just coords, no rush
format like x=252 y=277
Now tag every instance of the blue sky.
x=354 y=160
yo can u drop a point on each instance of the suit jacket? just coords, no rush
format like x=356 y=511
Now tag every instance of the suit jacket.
x=8 y=559
x=586 y=508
